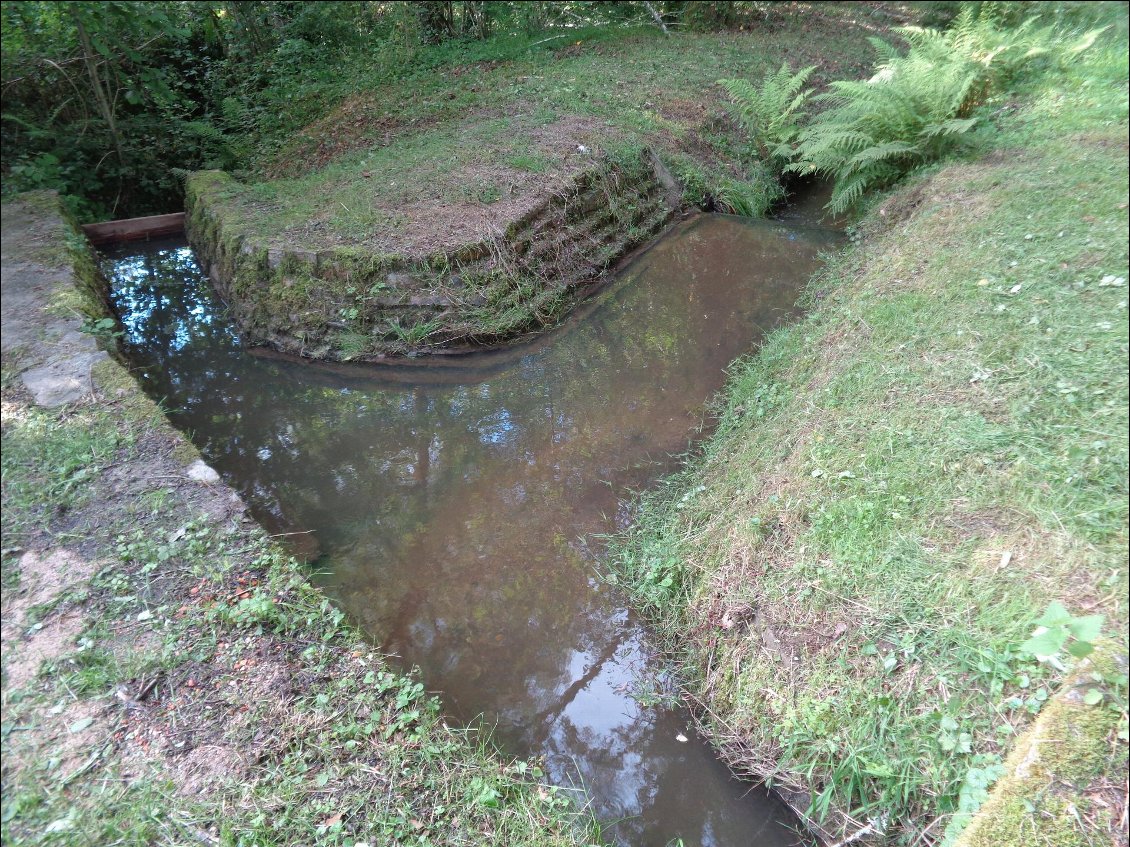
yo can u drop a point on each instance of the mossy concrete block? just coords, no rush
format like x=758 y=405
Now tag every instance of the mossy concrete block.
x=317 y=300
x=49 y=284
x=1045 y=785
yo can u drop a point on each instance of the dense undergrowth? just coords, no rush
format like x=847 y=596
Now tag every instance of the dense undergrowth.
x=918 y=105
x=901 y=483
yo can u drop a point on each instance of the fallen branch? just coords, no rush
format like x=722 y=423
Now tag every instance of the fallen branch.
x=551 y=38
x=876 y=826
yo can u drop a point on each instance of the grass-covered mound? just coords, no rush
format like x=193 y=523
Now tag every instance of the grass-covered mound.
x=902 y=483
x=473 y=201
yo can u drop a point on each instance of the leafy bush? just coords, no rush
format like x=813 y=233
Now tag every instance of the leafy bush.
x=918 y=106
x=772 y=111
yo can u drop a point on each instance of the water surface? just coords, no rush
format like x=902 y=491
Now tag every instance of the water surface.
x=447 y=505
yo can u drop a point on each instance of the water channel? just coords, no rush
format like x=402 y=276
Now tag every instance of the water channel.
x=450 y=507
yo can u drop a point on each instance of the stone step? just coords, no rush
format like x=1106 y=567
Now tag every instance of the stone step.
x=593 y=232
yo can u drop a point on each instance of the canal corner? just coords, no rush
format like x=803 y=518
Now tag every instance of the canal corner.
x=156 y=636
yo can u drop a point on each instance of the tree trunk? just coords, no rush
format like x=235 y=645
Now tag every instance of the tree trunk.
x=101 y=97
x=658 y=18
x=436 y=20
x=475 y=21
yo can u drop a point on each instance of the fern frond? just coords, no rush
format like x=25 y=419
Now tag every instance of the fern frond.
x=771 y=111
x=885 y=52
x=878 y=152
x=204 y=130
x=1086 y=42
x=847 y=193
x=954 y=126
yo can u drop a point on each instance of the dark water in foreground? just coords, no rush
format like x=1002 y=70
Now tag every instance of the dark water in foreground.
x=447 y=504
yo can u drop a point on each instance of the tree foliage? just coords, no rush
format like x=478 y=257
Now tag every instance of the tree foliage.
x=89 y=90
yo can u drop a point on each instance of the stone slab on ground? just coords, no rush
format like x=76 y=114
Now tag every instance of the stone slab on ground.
x=42 y=340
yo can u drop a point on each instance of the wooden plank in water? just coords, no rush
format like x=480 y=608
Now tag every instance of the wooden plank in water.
x=134 y=229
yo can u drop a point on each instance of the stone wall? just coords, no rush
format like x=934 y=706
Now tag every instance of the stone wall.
x=349 y=303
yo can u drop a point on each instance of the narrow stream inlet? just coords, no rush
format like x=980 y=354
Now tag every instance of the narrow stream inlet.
x=446 y=504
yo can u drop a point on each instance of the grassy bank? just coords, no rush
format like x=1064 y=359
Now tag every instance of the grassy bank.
x=474 y=123
x=902 y=483
x=169 y=677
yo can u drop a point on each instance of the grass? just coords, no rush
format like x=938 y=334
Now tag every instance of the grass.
x=169 y=676
x=46 y=464
x=370 y=145
x=903 y=481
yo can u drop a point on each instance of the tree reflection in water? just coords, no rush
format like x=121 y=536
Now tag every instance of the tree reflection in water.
x=449 y=501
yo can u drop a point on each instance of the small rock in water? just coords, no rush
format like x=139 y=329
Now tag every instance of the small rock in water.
x=201 y=472
x=681 y=738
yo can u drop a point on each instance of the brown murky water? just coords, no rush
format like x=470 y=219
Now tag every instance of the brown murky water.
x=452 y=506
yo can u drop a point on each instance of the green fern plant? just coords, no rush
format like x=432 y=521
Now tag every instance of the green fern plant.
x=875 y=131
x=917 y=106
x=216 y=146
x=772 y=111
x=991 y=54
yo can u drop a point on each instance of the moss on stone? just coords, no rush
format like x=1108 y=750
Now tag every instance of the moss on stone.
x=348 y=302
x=1042 y=797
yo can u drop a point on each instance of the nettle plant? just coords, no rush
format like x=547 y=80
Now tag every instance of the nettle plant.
x=1058 y=632
x=1059 y=635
